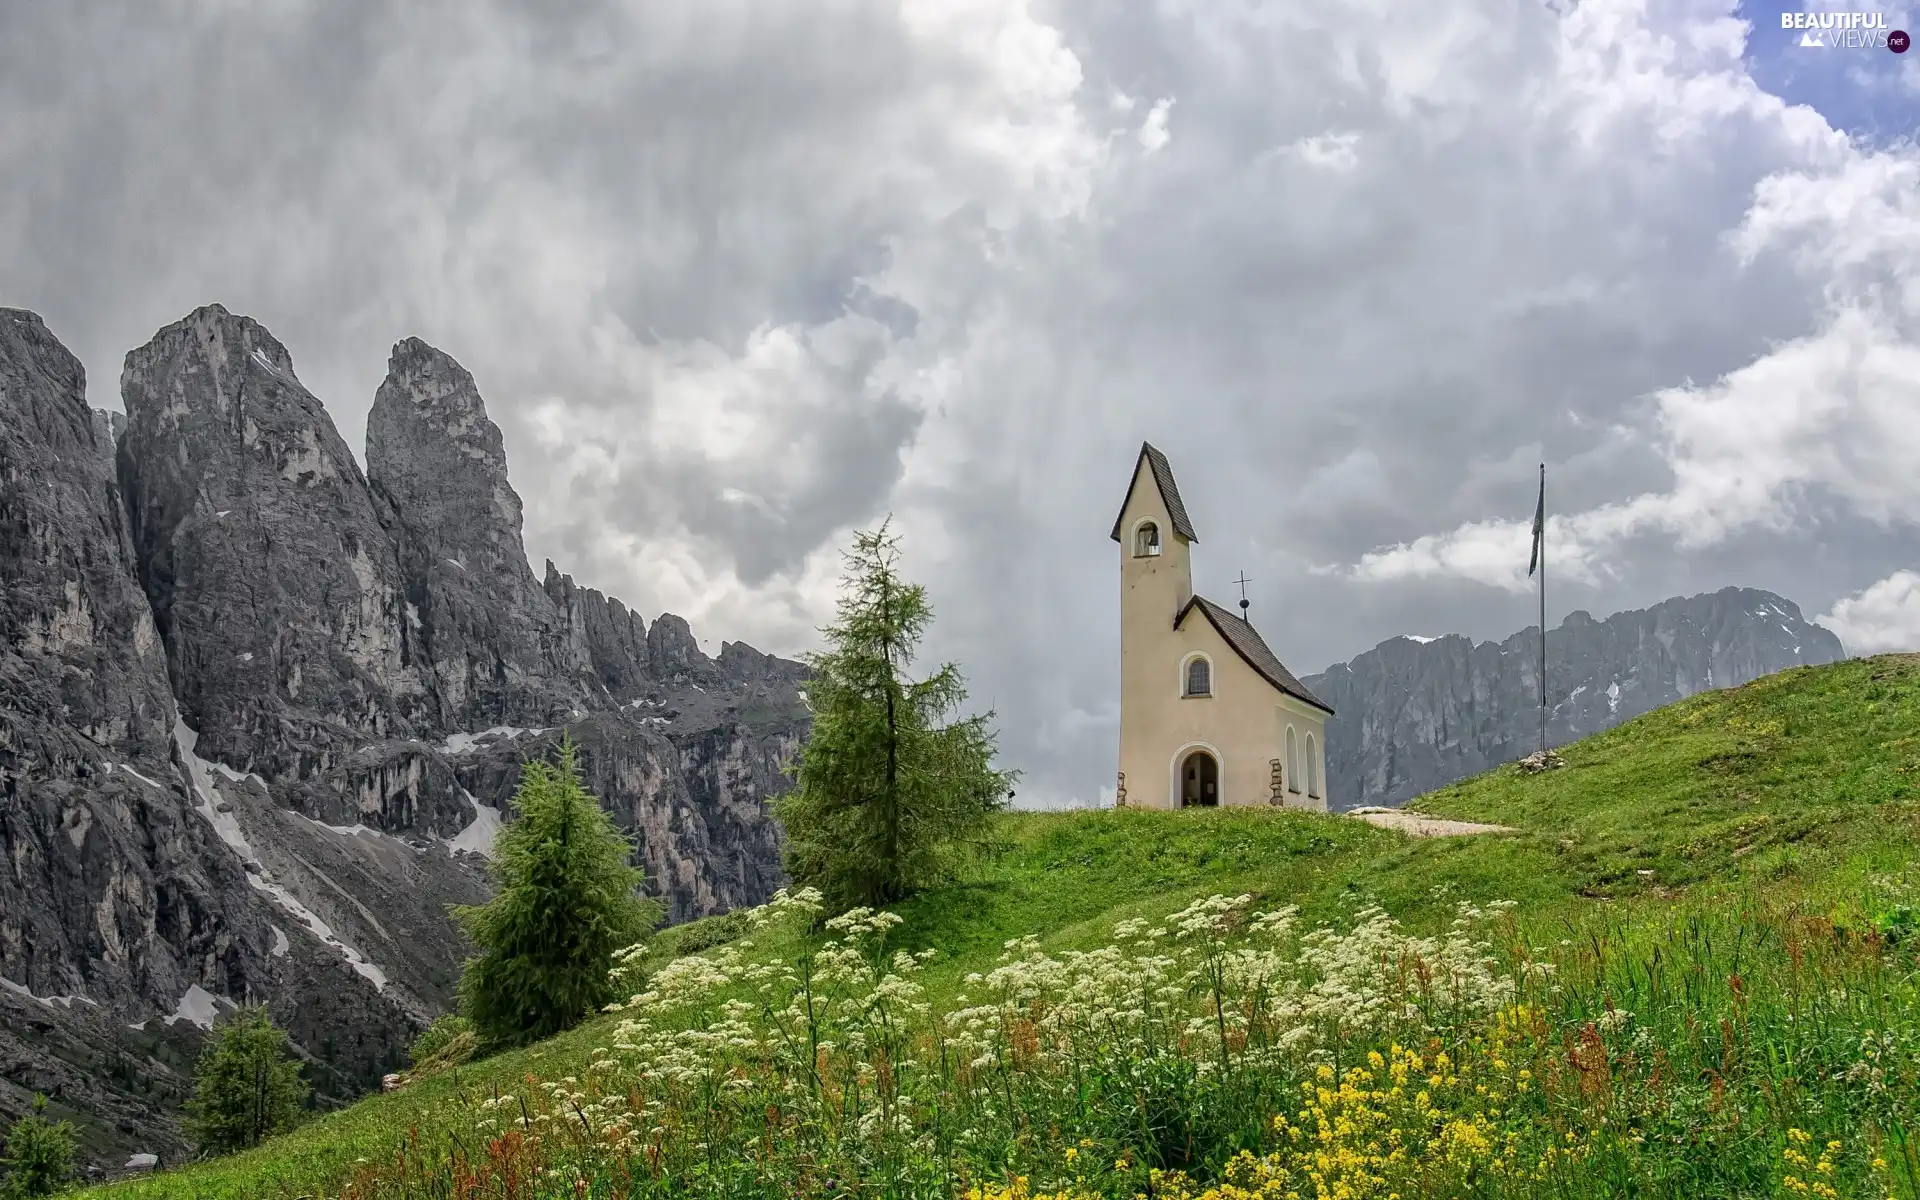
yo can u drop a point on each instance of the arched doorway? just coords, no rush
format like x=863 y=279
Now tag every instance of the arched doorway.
x=1199 y=780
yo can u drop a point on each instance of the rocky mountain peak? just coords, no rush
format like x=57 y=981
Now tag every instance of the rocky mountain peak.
x=613 y=638
x=497 y=646
x=429 y=400
x=276 y=589
x=220 y=346
x=107 y=427
x=740 y=661
x=262 y=713
x=432 y=452
x=42 y=378
x=77 y=641
x=672 y=650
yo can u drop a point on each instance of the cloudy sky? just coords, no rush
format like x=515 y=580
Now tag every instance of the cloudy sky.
x=739 y=276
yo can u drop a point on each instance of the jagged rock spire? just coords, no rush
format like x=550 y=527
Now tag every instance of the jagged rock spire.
x=498 y=648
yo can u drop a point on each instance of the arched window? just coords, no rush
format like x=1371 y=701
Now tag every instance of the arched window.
x=1313 y=770
x=1199 y=681
x=1146 y=540
x=1293 y=763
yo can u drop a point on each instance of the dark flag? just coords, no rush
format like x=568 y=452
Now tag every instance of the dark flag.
x=1538 y=562
x=1539 y=524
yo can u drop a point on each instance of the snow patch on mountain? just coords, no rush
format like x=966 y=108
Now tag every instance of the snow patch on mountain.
x=466 y=743
x=199 y=1007
x=227 y=828
x=355 y=830
x=137 y=775
x=479 y=834
x=237 y=776
x=20 y=989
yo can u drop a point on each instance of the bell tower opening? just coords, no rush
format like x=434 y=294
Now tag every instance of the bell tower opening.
x=1146 y=540
x=1199 y=781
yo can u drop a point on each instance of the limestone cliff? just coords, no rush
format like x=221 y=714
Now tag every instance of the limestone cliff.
x=261 y=713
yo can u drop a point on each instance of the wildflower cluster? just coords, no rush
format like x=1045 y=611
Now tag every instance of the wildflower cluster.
x=1807 y=1176
x=1226 y=1052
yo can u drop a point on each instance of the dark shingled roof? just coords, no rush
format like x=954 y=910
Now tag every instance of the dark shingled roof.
x=1247 y=644
x=1169 y=494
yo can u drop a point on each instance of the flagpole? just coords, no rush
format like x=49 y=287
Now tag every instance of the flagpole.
x=1543 y=608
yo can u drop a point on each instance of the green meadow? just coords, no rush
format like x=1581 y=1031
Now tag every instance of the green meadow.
x=1735 y=874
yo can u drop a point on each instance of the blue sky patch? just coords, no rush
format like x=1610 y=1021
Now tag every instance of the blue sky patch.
x=1868 y=91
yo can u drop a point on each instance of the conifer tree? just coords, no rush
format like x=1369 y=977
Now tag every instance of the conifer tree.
x=247 y=1086
x=38 y=1159
x=568 y=901
x=892 y=790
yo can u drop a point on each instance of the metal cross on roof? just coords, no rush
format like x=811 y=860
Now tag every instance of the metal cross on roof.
x=1243 y=581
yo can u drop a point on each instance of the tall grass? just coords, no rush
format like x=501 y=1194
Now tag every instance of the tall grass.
x=1753 y=1043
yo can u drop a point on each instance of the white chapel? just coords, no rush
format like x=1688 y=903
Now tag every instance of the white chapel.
x=1208 y=715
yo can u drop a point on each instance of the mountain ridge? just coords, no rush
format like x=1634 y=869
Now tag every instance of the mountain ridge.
x=1416 y=713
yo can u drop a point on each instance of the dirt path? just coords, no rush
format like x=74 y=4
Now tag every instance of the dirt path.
x=1416 y=824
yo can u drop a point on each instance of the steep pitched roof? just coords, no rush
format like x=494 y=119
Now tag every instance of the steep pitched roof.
x=1169 y=494
x=1248 y=645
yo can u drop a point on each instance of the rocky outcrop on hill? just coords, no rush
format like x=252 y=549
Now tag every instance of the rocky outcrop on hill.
x=261 y=715
x=1417 y=713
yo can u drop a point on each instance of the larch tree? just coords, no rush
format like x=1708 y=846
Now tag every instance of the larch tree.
x=894 y=789
x=246 y=1087
x=569 y=900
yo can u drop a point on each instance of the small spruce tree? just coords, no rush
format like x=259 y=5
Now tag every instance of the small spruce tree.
x=569 y=900
x=39 y=1155
x=247 y=1086
x=892 y=791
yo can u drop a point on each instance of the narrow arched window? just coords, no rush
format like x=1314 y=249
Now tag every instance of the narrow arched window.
x=1293 y=762
x=1199 y=678
x=1313 y=769
x=1146 y=540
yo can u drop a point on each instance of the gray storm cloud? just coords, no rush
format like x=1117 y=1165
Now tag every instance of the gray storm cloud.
x=736 y=278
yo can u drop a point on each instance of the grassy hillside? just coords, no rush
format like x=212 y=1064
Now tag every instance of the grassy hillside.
x=1735 y=815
